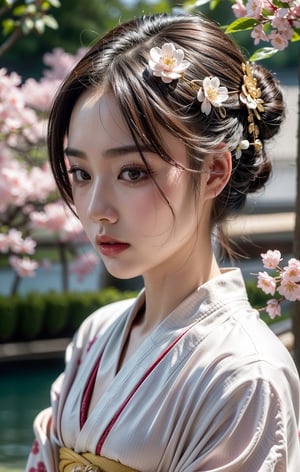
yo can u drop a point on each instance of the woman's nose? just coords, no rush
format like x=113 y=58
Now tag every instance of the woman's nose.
x=101 y=206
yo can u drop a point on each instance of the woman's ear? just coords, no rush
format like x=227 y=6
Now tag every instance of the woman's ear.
x=218 y=168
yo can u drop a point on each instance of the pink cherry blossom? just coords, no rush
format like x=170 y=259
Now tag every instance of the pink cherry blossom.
x=290 y=290
x=60 y=63
x=266 y=283
x=14 y=242
x=254 y=8
x=5 y=154
x=53 y=217
x=286 y=281
x=84 y=264
x=278 y=20
x=27 y=246
x=271 y=259
x=41 y=182
x=24 y=267
x=278 y=41
x=282 y=24
x=57 y=218
x=26 y=183
x=292 y=271
x=14 y=184
x=40 y=94
x=4 y=243
x=258 y=34
x=239 y=9
x=15 y=239
x=273 y=308
x=5 y=195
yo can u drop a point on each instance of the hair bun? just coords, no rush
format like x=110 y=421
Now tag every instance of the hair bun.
x=257 y=167
x=274 y=108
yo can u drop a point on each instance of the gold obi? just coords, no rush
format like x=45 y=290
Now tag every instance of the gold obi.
x=70 y=461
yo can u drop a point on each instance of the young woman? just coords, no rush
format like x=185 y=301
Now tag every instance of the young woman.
x=154 y=138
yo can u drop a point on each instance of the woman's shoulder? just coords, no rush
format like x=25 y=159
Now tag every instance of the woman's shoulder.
x=98 y=325
x=104 y=316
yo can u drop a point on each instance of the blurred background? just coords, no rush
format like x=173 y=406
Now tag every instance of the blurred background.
x=50 y=278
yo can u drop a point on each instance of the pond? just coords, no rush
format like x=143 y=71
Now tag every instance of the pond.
x=25 y=389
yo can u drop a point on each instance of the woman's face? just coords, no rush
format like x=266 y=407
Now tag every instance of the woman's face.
x=125 y=216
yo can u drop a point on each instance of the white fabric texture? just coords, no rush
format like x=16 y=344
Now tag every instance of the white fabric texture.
x=223 y=397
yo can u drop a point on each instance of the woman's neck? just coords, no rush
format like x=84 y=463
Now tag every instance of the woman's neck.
x=164 y=293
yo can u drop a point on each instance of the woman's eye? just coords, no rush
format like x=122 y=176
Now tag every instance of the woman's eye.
x=79 y=175
x=134 y=174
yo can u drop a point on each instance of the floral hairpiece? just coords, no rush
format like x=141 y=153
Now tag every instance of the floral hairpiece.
x=169 y=64
x=251 y=97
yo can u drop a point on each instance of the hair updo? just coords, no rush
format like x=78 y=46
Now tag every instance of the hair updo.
x=119 y=61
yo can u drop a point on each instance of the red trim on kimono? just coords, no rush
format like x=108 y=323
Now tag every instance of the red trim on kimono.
x=125 y=403
x=86 y=399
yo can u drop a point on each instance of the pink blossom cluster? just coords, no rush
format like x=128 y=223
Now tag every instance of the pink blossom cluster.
x=84 y=264
x=58 y=220
x=18 y=123
x=24 y=267
x=39 y=94
x=13 y=242
x=283 y=281
x=29 y=203
x=19 y=183
x=277 y=20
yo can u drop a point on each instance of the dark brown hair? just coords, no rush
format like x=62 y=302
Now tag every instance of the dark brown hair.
x=119 y=61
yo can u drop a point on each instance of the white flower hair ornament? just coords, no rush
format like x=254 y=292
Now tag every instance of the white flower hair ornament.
x=211 y=94
x=169 y=64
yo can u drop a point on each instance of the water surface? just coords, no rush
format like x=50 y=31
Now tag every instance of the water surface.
x=24 y=391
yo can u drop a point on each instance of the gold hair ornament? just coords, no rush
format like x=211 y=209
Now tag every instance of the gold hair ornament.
x=251 y=97
x=169 y=64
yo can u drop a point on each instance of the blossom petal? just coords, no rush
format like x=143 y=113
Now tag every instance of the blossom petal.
x=168 y=49
x=215 y=82
x=155 y=54
x=206 y=106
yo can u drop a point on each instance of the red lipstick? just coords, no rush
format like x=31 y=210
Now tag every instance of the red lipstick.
x=109 y=246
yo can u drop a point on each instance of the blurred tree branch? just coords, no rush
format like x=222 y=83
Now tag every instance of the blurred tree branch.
x=20 y=18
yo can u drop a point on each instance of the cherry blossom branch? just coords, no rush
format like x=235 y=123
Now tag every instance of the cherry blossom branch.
x=11 y=40
x=283 y=283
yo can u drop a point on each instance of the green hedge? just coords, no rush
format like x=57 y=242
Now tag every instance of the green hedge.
x=50 y=315
x=53 y=315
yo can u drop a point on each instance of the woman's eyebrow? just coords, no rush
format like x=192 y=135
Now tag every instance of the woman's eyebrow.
x=112 y=152
x=75 y=153
x=123 y=150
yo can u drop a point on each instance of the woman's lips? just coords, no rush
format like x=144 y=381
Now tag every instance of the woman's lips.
x=110 y=246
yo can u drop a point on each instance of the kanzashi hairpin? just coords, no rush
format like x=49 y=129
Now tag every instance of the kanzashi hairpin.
x=251 y=97
x=169 y=64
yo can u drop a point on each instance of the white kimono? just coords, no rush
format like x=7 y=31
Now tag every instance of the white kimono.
x=210 y=389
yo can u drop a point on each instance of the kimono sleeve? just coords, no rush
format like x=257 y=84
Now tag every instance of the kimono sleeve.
x=43 y=456
x=44 y=453
x=253 y=427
